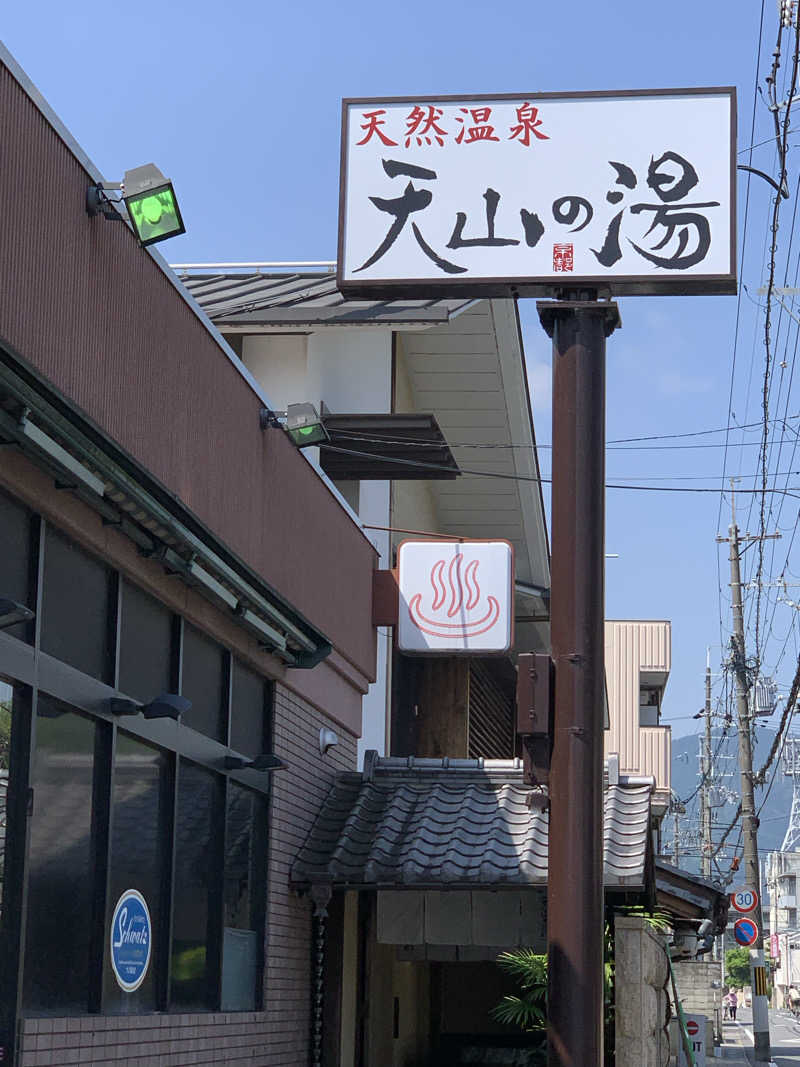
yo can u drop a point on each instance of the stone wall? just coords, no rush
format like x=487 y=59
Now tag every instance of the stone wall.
x=640 y=997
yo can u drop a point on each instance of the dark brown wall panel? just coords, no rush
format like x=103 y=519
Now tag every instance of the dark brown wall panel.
x=93 y=313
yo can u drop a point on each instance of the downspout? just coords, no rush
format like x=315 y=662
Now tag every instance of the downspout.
x=321 y=896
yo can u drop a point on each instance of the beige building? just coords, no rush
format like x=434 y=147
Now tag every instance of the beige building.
x=638 y=660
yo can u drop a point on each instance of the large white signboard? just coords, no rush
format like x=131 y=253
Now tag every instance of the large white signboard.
x=455 y=596
x=631 y=192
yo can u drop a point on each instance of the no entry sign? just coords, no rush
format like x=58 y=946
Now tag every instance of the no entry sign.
x=692 y=1027
x=745 y=931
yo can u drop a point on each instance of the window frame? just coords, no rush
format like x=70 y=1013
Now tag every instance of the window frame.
x=32 y=671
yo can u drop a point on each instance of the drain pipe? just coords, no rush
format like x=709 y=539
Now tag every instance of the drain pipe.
x=321 y=895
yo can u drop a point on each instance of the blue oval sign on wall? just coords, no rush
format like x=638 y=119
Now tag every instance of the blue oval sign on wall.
x=131 y=938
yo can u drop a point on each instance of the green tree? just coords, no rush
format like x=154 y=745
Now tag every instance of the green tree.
x=737 y=967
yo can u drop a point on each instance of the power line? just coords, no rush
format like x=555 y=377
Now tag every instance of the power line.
x=793 y=491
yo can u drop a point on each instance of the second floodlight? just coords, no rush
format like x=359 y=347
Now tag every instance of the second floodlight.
x=304 y=425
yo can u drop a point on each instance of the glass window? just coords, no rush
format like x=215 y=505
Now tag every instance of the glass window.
x=649 y=705
x=204 y=683
x=145 y=653
x=76 y=620
x=243 y=900
x=197 y=912
x=60 y=865
x=16 y=575
x=248 y=712
x=6 y=706
x=140 y=814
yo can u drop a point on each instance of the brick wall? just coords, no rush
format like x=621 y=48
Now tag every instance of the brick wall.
x=278 y=1036
x=297 y=798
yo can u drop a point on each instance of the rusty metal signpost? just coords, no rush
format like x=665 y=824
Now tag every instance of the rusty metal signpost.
x=572 y=198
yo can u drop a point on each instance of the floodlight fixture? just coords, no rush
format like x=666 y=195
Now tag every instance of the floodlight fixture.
x=304 y=425
x=167 y=706
x=152 y=205
x=264 y=762
x=123 y=706
x=11 y=613
x=150 y=201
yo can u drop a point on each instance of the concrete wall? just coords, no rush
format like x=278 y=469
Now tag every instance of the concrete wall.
x=641 y=998
x=693 y=979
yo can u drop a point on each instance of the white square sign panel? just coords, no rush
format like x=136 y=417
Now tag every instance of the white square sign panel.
x=455 y=597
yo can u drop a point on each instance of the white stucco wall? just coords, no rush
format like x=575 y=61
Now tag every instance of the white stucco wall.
x=350 y=371
x=278 y=363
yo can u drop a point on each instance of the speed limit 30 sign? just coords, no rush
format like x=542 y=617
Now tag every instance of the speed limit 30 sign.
x=744 y=900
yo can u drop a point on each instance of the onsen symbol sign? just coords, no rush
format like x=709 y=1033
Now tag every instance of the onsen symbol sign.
x=455 y=597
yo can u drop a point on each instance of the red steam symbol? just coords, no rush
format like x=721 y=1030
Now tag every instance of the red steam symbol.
x=464 y=596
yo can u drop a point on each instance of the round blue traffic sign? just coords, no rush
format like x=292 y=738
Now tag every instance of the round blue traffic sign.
x=131 y=938
x=745 y=931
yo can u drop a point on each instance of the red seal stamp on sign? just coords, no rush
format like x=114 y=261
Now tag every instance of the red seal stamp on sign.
x=563 y=259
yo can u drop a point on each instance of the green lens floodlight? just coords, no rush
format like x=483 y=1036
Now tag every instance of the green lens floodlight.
x=152 y=205
x=304 y=425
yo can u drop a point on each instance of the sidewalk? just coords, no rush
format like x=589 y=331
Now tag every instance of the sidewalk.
x=732 y=1056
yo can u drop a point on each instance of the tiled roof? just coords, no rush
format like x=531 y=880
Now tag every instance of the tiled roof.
x=304 y=299
x=424 y=822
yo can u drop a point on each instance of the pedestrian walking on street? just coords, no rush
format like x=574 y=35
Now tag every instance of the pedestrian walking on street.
x=794 y=1001
x=733 y=1003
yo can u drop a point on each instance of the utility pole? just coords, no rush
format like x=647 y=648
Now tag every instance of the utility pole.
x=752 y=875
x=705 y=793
x=579 y=324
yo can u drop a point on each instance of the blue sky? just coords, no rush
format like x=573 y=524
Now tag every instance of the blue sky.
x=240 y=105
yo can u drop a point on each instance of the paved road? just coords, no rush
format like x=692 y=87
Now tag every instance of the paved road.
x=784 y=1035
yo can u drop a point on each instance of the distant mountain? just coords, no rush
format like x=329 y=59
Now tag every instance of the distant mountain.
x=774 y=799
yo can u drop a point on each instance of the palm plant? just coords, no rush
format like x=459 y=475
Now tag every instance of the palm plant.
x=528 y=1009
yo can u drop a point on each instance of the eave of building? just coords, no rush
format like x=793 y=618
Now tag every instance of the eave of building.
x=457 y=823
x=465 y=362
x=49 y=429
x=688 y=896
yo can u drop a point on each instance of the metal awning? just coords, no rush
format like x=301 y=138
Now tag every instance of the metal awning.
x=456 y=823
x=400 y=446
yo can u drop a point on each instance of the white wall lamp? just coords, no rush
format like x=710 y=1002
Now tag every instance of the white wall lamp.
x=327 y=739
